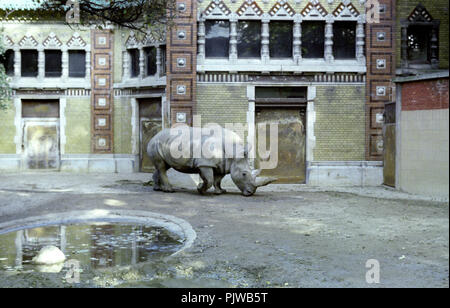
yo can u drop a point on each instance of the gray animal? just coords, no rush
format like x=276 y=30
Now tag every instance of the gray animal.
x=165 y=151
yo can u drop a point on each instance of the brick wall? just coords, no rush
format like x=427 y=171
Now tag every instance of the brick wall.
x=78 y=126
x=122 y=126
x=102 y=105
x=339 y=126
x=181 y=62
x=222 y=103
x=7 y=129
x=380 y=46
x=425 y=95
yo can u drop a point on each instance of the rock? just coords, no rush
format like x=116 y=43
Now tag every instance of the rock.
x=49 y=255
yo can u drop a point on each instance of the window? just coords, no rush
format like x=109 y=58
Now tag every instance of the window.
x=7 y=59
x=40 y=108
x=419 y=44
x=150 y=59
x=134 y=59
x=29 y=63
x=217 y=37
x=163 y=60
x=249 y=39
x=280 y=39
x=280 y=92
x=344 y=40
x=77 y=63
x=53 y=64
x=420 y=40
x=313 y=39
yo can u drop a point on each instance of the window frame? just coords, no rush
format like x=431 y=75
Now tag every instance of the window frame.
x=132 y=64
x=47 y=74
x=227 y=54
x=267 y=61
x=433 y=53
x=146 y=50
x=354 y=40
x=163 y=56
x=5 y=61
x=291 y=47
x=72 y=51
x=23 y=66
x=259 y=33
x=321 y=21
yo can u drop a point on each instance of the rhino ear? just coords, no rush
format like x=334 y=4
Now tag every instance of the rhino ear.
x=246 y=151
x=256 y=172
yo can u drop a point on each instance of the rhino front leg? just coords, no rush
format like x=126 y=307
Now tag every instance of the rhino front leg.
x=207 y=176
x=160 y=179
x=217 y=180
x=156 y=180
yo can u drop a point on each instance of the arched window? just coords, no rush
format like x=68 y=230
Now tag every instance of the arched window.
x=420 y=43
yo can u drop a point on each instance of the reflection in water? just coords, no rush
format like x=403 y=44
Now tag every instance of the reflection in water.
x=96 y=245
x=29 y=241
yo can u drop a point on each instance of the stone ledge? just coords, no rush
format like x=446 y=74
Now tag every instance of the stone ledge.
x=83 y=163
x=344 y=173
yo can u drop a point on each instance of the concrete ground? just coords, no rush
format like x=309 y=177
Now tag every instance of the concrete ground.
x=283 y=236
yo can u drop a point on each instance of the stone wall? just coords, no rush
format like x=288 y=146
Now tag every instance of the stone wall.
x=423 y=137
x=423 y=152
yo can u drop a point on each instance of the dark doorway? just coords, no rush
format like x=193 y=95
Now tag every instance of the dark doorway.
x=150 y=123
x=40 y=134
x=285 y=107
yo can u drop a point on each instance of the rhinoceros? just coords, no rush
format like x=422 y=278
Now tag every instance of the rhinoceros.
x=221 y=154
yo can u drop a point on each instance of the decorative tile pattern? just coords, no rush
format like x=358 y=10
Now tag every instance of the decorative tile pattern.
x=102 y=93
x=380 y=70
x=181 y=60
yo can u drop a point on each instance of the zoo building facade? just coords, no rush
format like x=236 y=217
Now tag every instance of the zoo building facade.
x=89 y=100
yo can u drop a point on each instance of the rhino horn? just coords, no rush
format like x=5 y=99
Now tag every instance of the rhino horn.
x=265 y=181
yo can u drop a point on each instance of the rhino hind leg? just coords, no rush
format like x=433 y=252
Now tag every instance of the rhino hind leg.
x=207 y=176
x=217 y=180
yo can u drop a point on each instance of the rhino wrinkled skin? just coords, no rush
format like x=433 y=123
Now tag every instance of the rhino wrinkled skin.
x=211 y=167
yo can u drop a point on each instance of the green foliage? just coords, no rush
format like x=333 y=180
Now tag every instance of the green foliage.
x=138 y=15
x=5 y=90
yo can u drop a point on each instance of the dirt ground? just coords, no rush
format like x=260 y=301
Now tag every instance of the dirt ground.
x=283 y=236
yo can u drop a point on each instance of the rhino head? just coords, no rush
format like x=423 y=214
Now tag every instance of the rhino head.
x=247 y=179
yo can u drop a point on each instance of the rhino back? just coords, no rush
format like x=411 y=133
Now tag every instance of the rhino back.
x=159 y=147
x=162 y=145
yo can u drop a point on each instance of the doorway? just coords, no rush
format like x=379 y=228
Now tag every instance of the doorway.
x=40 y=143
x=291 y=166
x=150 y=123
x=285 y=107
